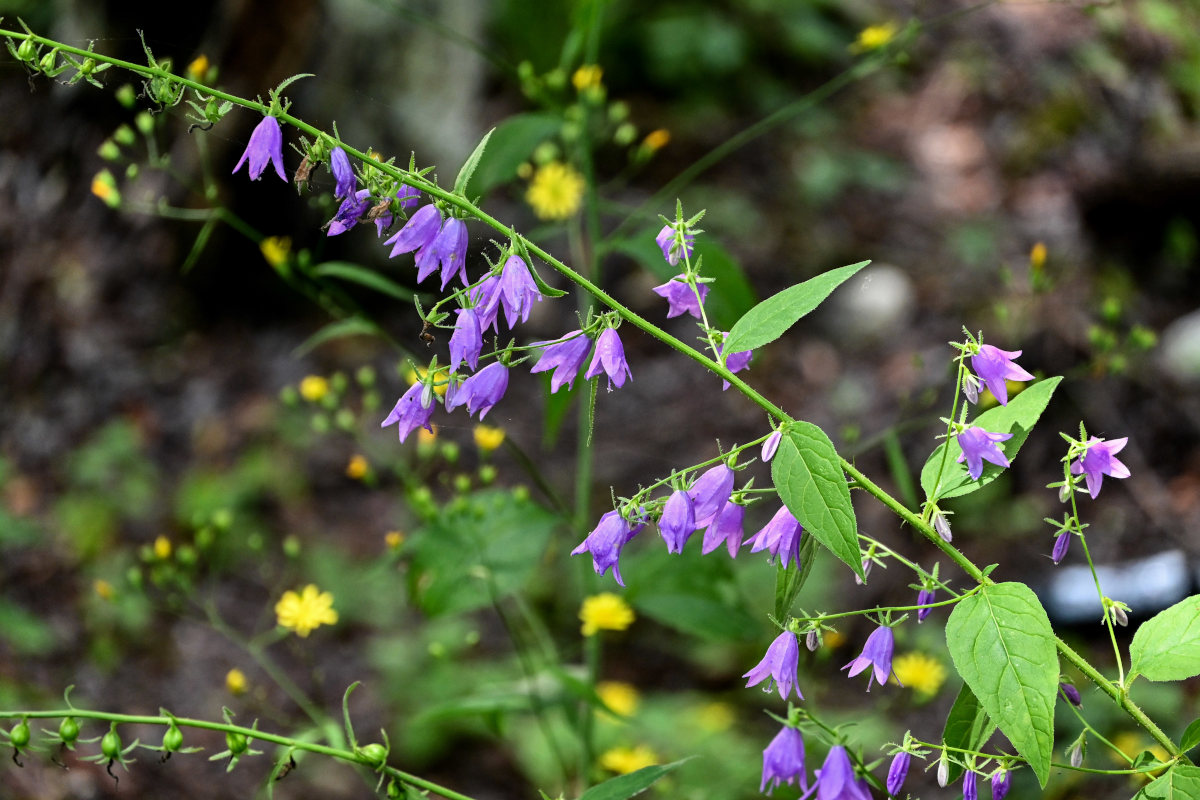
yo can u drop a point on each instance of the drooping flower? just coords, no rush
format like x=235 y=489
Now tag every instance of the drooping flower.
x=609 y=357
x=485 y=298
x=783 y=761
x=678 y=521
x=307 y=611
x=726 y=527
x=412 y=410
x=924 y=597
x=349 y=213
x=670 y=249
x=780 y=664
x=709 y=493
x=1099 y=460
x=876 y=653
x=780 y=536
x=450 y=249
x=466 y=342
x=564 y=357
x=481 y=391
x=517 y=290
x=898 y=771
x=978 y=446
x=1060 y=547
x=680 y=297
x=611 y=534
x=736 y=362
x=835 y=778
x=771 y=445
x=343 y=174
x=970 y=786
x=266 y=144
x=995 y=366
x=421 y=229
x=1000 y=780
x=604 y=612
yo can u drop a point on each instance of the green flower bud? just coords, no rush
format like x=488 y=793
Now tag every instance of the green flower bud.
x=19 y=735
x=320 y=423
x=338 y=381
x=68 y=730
x=132 y=171
x=108 y=150
x=462 y=483
x=172 y=739
x=144 y=122
x=365 y=376
x=123 y=135
x=374 y=753
x=222 y=518
x=110 y=743
x=236 y=743
x=27 y=51
x=126 y=95
x=487 y=474
x=344 y=419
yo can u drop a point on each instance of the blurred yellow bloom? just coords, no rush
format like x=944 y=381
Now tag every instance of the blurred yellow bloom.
x=313 y=388
x=104 y=186
x=556 y=191
x=357 y=468
x=307 y=611
x=426 y=438
x=235 y=681
x=833 y=639
x=715 y=716
x=623 y=760
x=621 y=697
x=275 y=249
x=657 y=139
x=162 y=548
x=104 y=589
x=587 y=77
x=198 y=68
x=488 y=437
x=875 y=36
x=919 y=672
x=1037 y=256
x=393 y=539
x=604 y=612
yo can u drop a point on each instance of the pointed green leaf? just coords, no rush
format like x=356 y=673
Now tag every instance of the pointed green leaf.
x=512 y=142
x=968 y=726
x=790 y=580
x=768 y=320
x=1017 y=418
x=1166 y=647
x=1003 y=647
x=1191 y=737
x=625 y=786
x=810 y=482
x=346 y=271
x=468 y=167
x=350 y=326
x=1181 y=782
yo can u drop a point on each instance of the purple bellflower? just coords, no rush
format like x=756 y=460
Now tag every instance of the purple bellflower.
x=564 y=357
x=970 y=786
x=780 y=664
x=486 y=299
x=412 y=410
x=709 y=493
x=1061 y=544
x=450 y=247
x=670 y=250
x=780 y=536
x=349 y=212
x=771 y=445
x=343 y=174
x=898 y=771
x=1100 y=460
x=876 y=653
x=726 y=527
x=421 y=229
x=924 y=597
x=481 y=391
x=518 y=292
x=467 y=340
x=783 y=761
x=609 y=357
x=611 y=534
x=408 y=196
x=995 y=366
x=835 y=778
x=1000 y=784
x=736 y=362
x=680 y=297
x=266 y=144
x=678 y=521
x=978 y=446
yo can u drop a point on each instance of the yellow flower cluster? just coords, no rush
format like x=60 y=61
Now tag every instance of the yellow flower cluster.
x=619 y=696
x=488 y=437
x=556 y=191
x=623 y=760
x=919 y=672
x=307 y=611
x=604 y=612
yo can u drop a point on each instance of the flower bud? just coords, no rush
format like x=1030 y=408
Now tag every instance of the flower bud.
x=27 y=50
x=236 y=743
x=110 y=743
x=1119 y=617
x=1060 y=546
x=1075 y=753
x=1000 y=784
x=172 y=740
x=1072 y=694
x=970 y=786
x=971 y=390
x=942 y=526
x=943 y=770
x=18 y=737
x=68 y=731
x=812 y=640
x=1064 y=493
x=374 y=753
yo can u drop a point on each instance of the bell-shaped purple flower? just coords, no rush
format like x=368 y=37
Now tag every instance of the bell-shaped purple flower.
x=970 y=785
x=518 y=292
x=1000 y=784
x=670 y=250
x=485 y=298
x=412 y=410
x=783 y=761
x=978 y=446
x=481 y=391
x=924 y=597
x=780 y=664
x=709 y=493
x=451 y=249
x=876 y=653
x=266 y=144
x=408 y=196
x=343 y=174
x=1060 y=547
x=735 y=363
x=898 y=771
x=609 y=357
x=1099 y=460
x=726 y=527
x=349 y=213
x=995 y=366
x=564 y=357
x=835 y=778
x=680 y=297
x=466 y=342
x=605 y=542
x=771 y=445
x=678 y=521
x=780 y=536
x=421 y=229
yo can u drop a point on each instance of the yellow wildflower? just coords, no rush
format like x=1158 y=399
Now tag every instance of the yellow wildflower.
x=393 y=539
x=358 y=467
x=104 y=589
x=198 y=68
x=104 y=186
x=1037 y=256
x=556 y=191
x=587 y=77
x=275 y=249
x=306 y=611
x=619 y=696
x=235 y=681
x=657 y=139
x=162 y=548
x=313 y=388
x=488 y=437
x=604 y=612
x=623 y=760
x=875 y=37
x=715 y=716
x=919 y=672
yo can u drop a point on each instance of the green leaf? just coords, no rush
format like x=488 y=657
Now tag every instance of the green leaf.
x=697 y=615
x=696 y=595
x=968 y=726
x=771 y=318
x=1017 y=418
x=634 y=783
x=468 y=167
x=354 y=273
x=790 y=580
x=810 y=481
x=512 y=142
x=1166 y=647
x=1191 y=737
x=1181 y=782
x=1003 y=646
x=350 y=326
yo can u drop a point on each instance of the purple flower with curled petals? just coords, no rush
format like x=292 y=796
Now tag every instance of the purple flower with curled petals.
x=412 y=410
x=898 y=771
x=266 y=144
x=680 y=297
x=995 y=366
x=467 y=340
x=670 y=248
x=835 y=778
x=481 y=391
x=485 y=299
x=970 y=786
x=876 y=653
x=1061 y=544
x=1000 y=784
x=421 y=229
x=564 y=357
x=771 y=445
x=709 y=493
x=726 y=527
x=349 y=213
x=518 y=292
x=343 y=174
x=611 y=534
x=609 y=357
x=780 y=664
x=678 y=521
x=1099 y=460
x=924 y=597
x=783 y=761
x=736 y=362
x=978 y=446
x=780 y=536
x=450 y=248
